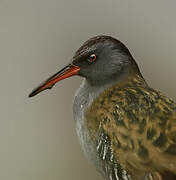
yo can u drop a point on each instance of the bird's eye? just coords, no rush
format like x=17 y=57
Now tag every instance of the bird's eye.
x=92 y=58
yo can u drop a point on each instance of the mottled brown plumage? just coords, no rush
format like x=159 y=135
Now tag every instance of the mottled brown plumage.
x=140 y=124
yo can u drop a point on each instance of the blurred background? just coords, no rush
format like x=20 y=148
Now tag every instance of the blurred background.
x=37 y=37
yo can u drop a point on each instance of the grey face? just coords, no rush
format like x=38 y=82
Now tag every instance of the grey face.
x=102 y=58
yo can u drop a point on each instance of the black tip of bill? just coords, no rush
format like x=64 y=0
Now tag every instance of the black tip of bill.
x=64 y=73
x=38 y=90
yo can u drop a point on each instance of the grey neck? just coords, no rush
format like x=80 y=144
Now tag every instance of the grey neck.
x=89 y=91
x=94 y=89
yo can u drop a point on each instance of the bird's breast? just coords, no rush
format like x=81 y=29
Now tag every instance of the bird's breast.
x=82 y=100
x=95 y=150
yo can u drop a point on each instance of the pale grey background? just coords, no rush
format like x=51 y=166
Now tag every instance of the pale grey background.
x=37 y=37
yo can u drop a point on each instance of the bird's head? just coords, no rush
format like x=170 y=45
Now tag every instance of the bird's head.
x=100 y=59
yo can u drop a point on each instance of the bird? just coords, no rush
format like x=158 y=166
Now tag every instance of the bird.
x=125 y=128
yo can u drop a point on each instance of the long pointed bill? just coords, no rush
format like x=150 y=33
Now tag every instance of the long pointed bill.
x=66 y=72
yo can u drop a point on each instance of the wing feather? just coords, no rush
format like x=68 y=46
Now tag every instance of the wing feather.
x=140 y=125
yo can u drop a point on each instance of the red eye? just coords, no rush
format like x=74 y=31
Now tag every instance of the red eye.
x=92 y=58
